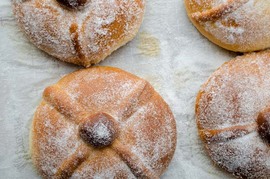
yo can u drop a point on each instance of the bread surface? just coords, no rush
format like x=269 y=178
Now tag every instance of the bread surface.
x=236 y=25
x=102 y=122
x=232 y=111
x=83 y=36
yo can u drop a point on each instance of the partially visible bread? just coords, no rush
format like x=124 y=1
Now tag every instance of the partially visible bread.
x=233 y=116
x=82 y=35
x=236 y=25
x=102 y=122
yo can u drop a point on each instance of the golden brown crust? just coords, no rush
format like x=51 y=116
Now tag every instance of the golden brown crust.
x=70 y=165
x=218 y=11
x=146 y=131
x=83 y=37
x=236 y=25
x=133 y=162
x=228 y=110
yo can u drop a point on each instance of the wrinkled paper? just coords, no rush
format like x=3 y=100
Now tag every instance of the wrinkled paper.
x=168 y=52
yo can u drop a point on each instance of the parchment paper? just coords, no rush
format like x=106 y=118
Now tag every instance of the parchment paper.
x=168 y=52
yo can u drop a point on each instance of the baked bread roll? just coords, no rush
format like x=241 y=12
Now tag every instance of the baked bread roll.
x=102 y=123
x=82 y=32
x=236 y=25
x=233 y=116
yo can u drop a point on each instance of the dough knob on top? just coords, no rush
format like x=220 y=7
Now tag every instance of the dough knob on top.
x=73 y=4
x=263 y=121
x=98 y=130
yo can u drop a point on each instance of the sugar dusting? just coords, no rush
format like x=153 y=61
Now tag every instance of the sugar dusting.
x=55 y=141
x=152 y=130
x=104 y=169
x=80 y=34
x=245 y=27
x=233 y=96
x=101 y=131
x=144 y=144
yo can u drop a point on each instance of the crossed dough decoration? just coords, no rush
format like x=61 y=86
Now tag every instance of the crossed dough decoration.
x=102 y=122
x=83 y=32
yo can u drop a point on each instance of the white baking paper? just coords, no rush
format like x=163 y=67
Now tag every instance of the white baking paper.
x=168 y=52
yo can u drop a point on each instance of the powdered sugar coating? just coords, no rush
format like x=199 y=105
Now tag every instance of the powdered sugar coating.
x=227 y=109
x=238 y=25
x=84 y=36
x=101 y=131
x=147 y=130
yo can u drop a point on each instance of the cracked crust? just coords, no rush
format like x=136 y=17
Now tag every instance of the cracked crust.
x=146 y=132
x=236 y=25
x=82 y=36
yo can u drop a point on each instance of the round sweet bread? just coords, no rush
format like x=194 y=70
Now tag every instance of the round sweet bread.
x=233 y=116
x=236 y=25
x=102 y=123
x=83 y=32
